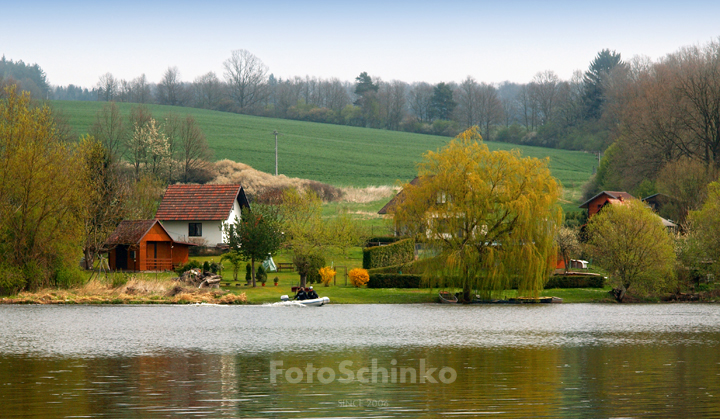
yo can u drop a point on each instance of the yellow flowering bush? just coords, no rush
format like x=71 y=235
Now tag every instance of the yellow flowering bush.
x=326 y=275
x=359 y=277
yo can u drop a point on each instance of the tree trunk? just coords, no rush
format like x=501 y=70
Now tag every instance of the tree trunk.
x=89 y=259
x=619 y=293
x=466 y=286
x=252 y=271
x=303 y=280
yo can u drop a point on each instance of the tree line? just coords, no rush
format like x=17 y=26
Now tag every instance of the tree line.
x=666 y=128
x=30 y=77
x=547 y=111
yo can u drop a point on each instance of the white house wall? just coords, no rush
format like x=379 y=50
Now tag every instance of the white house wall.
x=234 y=213
x=211 y=230
x=211 y=233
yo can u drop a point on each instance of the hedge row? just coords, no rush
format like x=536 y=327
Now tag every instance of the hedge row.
x=394 y=281
x=380 y=240
x=575 y=281
x=393 y=254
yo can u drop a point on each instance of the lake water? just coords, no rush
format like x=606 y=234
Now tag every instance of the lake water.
x=346 y=361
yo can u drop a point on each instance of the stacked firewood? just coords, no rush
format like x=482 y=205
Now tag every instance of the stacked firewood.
x=200 y=279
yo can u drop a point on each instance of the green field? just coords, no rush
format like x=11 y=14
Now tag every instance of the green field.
x=335 y=154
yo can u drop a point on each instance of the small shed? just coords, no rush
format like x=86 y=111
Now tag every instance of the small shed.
x=144 y=245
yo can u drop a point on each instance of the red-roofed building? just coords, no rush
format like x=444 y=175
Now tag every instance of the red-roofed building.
x=597 y=202
x=195 y=213
x=144 y=245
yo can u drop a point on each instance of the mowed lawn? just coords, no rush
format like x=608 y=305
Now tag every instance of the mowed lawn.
x=335 y=154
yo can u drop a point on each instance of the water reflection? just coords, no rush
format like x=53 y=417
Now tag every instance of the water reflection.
x=569 y=361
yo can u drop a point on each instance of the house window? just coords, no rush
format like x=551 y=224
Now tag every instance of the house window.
x=195 y=229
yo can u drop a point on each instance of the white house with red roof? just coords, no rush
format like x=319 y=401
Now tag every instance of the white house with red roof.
x=196 y=213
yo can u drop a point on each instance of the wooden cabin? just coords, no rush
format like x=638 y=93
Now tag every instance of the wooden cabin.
x=597 y=202
x=144 y=245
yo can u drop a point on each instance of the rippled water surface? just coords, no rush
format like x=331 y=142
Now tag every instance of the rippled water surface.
x=573 y=360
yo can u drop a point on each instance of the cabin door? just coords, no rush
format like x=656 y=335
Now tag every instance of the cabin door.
x=121 y=257
x=151 y=256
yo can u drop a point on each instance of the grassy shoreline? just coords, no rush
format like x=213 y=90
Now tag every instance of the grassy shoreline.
x=165 y=291
x=159 y=288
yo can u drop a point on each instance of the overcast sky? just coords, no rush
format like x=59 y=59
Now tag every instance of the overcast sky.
x=75 y=42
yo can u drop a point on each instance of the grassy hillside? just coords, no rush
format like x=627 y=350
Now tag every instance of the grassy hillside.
x=340 y=155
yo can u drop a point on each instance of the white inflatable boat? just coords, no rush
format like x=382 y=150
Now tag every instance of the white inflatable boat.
x=317 y=302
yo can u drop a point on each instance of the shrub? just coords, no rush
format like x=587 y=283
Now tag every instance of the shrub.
x=235 y=260
x=327 y=193
x=393 y=254
x=394 y=281
x=11 y=280
x=315 y=262
x=34 y=275
x=206 y=267
x=119 y=280
x=261 y=275
x=248 y=272
x=68 y=277
x=193 y=264
x=358 y=277
x=575 y=281
x=216 y=268
x=326 y=275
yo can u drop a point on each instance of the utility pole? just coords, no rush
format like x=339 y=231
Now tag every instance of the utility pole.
x=276 y=153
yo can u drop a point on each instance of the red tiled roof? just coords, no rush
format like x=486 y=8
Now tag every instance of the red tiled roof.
x=197 y=202
x=130 y=232
x=611 y=194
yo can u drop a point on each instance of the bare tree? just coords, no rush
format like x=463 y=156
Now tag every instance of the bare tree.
x=544 y=90
x=337 y=95
x=467 y=96
x=391 y=98
x=508 y=95
x=140 y=89
x=110 y=131
x=528 y=106
x=124 y=91
x=570 y=107
x=207 y=91
x=489 y=108
x=135 y=143
x=246 y=76
x=107 y=87
x=169 y=91
x=287 y=95
x=420 y=99
x=193 y=148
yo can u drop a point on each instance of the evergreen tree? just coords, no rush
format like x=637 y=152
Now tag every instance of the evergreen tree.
x=364 y=84
x=442 y=104
x=594 y=90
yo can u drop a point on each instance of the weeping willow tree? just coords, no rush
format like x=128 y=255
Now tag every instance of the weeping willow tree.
x=490 y=215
